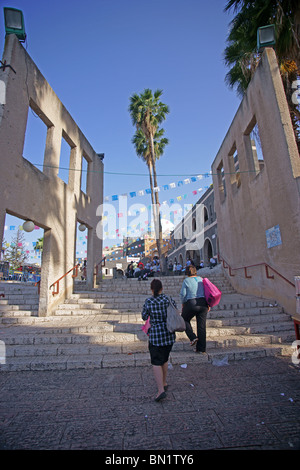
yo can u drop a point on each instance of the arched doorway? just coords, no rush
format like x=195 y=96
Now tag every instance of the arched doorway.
x=208 y=251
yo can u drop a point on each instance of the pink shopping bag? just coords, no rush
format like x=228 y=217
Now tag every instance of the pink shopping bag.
x=146 y=326
x=211 y=292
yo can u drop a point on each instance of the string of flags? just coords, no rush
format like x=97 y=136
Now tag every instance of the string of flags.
x=164 y=187
x=118 y=249
x=29 y=247
x=141 y=227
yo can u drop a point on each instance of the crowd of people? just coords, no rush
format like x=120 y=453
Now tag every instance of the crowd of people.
x=176 y=268
x=141 y=271
x=161 y=340
x=144 y=271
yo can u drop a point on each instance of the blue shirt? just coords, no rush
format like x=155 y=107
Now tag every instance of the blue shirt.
x=192 y=288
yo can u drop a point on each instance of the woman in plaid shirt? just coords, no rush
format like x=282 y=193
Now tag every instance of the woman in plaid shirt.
x=160 y=339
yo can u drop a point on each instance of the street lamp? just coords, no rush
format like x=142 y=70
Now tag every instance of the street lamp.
x=14 y=23
x=265 y=37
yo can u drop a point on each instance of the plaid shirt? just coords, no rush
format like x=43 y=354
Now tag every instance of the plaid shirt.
x=156 y=307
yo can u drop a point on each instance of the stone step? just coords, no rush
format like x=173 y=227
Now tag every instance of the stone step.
x=135 y=283
x=102 y=328
x=17 y=313
x=219 y=317
x=12 y=287
x=14 y=309
x=263 y=321
x=20 y=300
x=135 y=291
x=266 y=320
x=139 y=359
x=226 y=310
x=42 y=343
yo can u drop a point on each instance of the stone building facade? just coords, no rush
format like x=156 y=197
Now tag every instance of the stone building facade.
x=196 y=237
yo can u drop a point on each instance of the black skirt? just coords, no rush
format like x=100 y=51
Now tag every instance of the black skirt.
x=159 y=354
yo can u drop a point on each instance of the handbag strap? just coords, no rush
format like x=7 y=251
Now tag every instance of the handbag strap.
x=171 y=301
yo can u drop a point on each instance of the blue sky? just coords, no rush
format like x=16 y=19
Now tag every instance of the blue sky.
x=95 y=54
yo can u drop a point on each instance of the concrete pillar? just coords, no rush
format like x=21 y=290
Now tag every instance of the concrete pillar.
x=52 y=151
x=2 y=224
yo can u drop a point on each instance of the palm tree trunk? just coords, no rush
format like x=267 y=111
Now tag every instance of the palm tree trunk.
x=157 y=218
x=150 y=167
x=151 y=181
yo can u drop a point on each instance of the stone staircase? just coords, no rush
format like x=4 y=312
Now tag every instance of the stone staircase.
x=102 y=328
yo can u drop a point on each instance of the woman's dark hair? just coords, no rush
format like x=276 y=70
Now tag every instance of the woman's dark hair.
x=156 y=287
x=190 y=271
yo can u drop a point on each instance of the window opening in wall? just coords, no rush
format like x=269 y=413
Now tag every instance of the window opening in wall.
x=194 y=224
x=81 y=244
x=256 y=161
x=35 y=137
x=84 y=174
x=256 y=145
x=234 y=166
x=22 y=251
x=64 y=161
x=236 y=161
x=205 y=214
x=221 y=181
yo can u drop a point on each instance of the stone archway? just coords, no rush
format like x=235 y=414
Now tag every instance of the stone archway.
x=207 y=251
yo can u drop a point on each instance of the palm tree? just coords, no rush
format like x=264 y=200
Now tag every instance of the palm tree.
x=241 y=53
x=142 y=148
x=39 y=244
x=147 y=113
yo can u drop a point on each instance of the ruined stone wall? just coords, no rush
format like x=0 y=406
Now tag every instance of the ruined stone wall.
x=256 y=187
x=39 y=194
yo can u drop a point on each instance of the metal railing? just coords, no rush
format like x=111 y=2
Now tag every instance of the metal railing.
x=56 y=283
x=247 y=276
x=74 y=275
x=100 y=263
x=38 y=284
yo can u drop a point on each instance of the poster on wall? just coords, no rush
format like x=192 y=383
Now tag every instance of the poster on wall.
x=273 y=236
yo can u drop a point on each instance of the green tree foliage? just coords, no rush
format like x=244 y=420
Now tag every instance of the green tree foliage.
x=15 y=253
x=241 y=54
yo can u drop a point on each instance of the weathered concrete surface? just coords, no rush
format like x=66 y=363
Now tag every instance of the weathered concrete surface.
x=251 y=404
